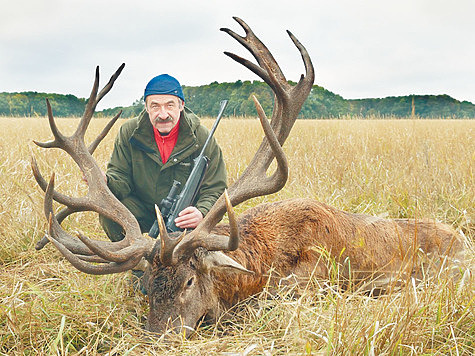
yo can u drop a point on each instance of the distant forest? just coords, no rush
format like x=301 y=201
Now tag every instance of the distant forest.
x=204 y=101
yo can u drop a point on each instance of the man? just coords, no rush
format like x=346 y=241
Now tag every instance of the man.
x=156 y=148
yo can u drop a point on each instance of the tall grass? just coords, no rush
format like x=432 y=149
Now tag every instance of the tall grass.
x=394 y=168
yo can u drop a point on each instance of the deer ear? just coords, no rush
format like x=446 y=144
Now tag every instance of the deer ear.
x=217 y=260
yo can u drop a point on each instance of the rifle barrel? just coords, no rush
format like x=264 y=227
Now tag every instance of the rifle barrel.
x=215 y=125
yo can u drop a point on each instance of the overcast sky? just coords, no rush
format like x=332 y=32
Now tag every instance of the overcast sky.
x=360 y=48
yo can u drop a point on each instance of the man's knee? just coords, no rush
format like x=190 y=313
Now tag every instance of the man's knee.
x=143 y=215
x=113 y=230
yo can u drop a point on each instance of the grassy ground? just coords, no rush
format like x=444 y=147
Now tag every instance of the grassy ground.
x=394 y=168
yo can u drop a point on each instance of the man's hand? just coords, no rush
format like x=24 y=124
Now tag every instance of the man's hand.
x=189 y=218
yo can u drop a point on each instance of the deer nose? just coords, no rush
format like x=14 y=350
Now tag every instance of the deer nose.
x=170 y=330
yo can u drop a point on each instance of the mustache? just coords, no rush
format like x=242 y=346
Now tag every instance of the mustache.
x=163 y=121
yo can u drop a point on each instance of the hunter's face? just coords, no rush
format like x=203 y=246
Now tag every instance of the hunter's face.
x=164 y=111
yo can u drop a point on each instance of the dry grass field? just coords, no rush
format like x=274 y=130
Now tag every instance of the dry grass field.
x=391 y=168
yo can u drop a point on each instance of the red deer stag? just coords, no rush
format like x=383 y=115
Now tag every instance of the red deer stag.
x=205 y=271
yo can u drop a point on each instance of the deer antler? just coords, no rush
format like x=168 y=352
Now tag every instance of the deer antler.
x=254 y=181
x=65 y=212
x=125 y=254
x=114 y=256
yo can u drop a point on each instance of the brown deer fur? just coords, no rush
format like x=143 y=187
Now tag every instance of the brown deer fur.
x=292 y=237
x=287 y=237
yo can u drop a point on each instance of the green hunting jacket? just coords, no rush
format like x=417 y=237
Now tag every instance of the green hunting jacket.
x=136 y=167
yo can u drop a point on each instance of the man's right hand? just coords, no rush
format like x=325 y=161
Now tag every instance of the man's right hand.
x=189 y=218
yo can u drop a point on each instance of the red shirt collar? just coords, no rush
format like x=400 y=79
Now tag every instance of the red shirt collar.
x=166 y=143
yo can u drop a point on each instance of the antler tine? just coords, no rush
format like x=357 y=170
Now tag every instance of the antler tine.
x=309 y=70
x=63 y=213
x=92 y=147
x=288 y=106
x=60 y=216
x=233 y=242
x=251 y=66
x=115 y=255
x=111 y=82
x=42 y=182
x=94 y=99
x=90 y=108
x=281 y=173
x=270 y=71
x=58 y=136
x=74 y=204
x=289 y=99
x=262 y=54
x=167 y=244
x=254 y=181
x=58 y=233
x=253 y=178
x=76 y=261
x=171 y=249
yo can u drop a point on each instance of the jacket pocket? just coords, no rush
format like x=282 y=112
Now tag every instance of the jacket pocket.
x=182 y=170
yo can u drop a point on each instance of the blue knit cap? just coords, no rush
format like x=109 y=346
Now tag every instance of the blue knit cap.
x=164 y=84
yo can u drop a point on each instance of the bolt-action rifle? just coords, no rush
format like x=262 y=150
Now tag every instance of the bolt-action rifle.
x=174 y=203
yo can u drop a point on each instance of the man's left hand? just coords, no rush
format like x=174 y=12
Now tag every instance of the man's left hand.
x=189 y=218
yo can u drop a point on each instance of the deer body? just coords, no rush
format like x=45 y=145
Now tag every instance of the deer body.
x=289 y=237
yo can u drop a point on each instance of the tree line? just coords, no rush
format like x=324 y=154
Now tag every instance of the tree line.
x=32 y=104
x=204 y=101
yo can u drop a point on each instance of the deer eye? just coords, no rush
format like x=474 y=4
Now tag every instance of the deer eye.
x=190 y=282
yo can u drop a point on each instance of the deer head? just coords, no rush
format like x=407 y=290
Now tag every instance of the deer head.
x=179 y=280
